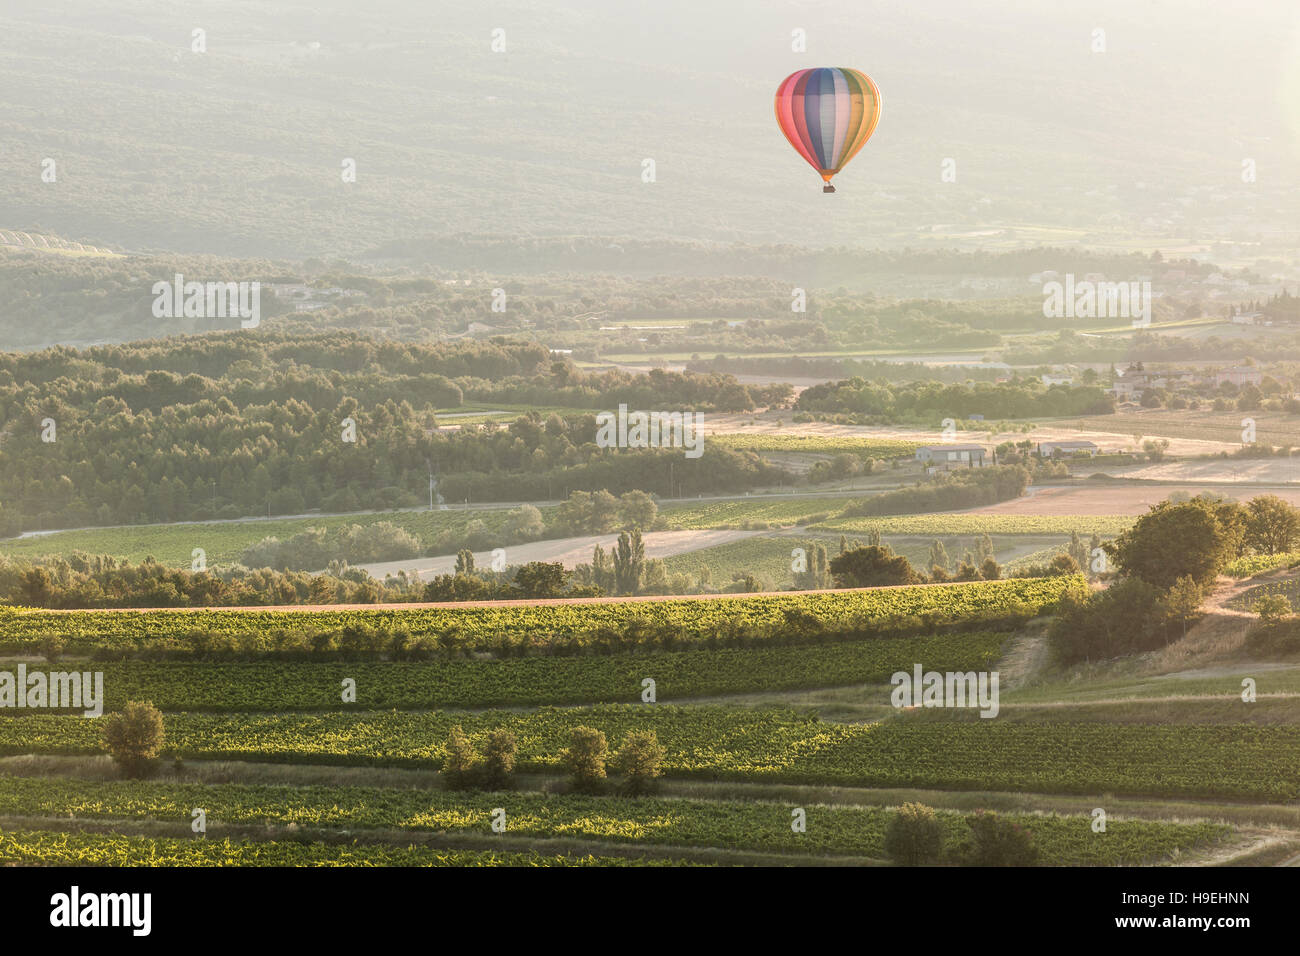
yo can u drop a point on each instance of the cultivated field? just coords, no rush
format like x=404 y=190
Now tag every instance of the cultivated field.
x=753 y=729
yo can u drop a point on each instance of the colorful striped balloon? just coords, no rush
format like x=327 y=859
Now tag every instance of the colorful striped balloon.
x=827 y=114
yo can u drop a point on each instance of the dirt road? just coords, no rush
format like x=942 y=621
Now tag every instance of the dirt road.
x=568 y=551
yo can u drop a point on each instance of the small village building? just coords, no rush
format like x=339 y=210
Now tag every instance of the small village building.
x=1066 y=449
x=949 y=456
x=1239 y=375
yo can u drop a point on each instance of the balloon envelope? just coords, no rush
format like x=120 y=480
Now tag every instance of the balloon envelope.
x=827 y=114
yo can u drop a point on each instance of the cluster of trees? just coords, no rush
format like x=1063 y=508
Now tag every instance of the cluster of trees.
x=102 y=581
x=601 y=513
x=1278 y=630
x=315 y=548
x=916 y=836
x=1283 y=307
x=975 y=565
x=949 y=491
x=877 y=402
x=536 y=580
x=82 y=581
x=1163 y=566
x=1077 y=558
x=793 y=366
x=587 y=760
x=623 y=570
x=876 y=565
x=582 y=513
x=198 y=428
x=585 y=467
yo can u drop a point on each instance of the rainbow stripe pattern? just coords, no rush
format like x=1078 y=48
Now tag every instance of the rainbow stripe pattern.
x=827 y=114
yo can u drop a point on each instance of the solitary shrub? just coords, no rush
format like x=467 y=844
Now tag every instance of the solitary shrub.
x=585 y=759
x=134 y=738
x=458 y=766
x=498 y=760
x=1279 y=639
x=1272 y=608
x=640 y=761
x=1061 y=565
x=999 y=842
x=914 y=835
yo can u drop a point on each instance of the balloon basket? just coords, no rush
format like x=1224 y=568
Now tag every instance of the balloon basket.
x=828 y=188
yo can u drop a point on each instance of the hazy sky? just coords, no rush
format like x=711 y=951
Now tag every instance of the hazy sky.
x=1142 y=128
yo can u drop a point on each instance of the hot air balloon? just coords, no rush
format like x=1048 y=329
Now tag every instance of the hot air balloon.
x=827 y=114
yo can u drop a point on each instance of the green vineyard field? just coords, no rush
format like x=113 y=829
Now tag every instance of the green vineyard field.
x=312 y=685
x=1255 y=563
x=559 y=628
x=1246 y=601
x=761 y=827
x=1234 y=761
x=818 y=444
x=51 y=848
x=758 y=511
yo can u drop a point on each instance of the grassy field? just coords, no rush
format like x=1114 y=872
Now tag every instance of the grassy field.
x=774 y=511
x=224 y=541
x=769 y=557
x=1277 y=428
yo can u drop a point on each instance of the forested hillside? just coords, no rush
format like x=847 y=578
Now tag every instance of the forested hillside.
x=245 y=423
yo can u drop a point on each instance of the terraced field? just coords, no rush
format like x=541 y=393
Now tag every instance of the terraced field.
x=288 y=773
